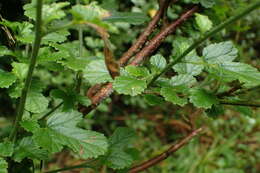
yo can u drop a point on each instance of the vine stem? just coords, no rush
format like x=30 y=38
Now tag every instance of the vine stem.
x=35 y=50
x=206 y=36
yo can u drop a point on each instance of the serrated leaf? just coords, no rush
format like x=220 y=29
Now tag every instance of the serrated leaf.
x=202 y=99
x=56 y=37
x=6 y=149
x=20 y=70
x=50 y=12
x=27 y=149
x=219 y=53
x=137 y=71
x=36 y=102
x=183 y=79
x=121 y=139
x=46 y=55
x=129 y=85
x=6 y=79
x=171 y=95
x=229 y=71
x=3 y=165
x=158 y=62
x=128 y=17
x=96 y=72
x=203 y=22
x=62 y=131
x=30 y=125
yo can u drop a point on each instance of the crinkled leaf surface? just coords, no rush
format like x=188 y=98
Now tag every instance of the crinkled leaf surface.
x=137 y=71
x=96 y=72
x=220 y=52
x=27 y=149
x=117 y=157
x=36 y=102
x=171 y=95
x=129 y=85
x=158 y=62
x=62 y=131
x=183 y=79
x=202 y=99
x=6 y=149
x=20 y=70
x=203 y=22
x=6 y=79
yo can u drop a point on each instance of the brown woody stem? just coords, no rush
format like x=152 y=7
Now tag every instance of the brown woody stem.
x=147 y=164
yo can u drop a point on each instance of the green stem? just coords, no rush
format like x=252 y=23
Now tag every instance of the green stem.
x=36 y=47
x=51 y=111
x=226 y=102
x=84 y=165
x=206 y=36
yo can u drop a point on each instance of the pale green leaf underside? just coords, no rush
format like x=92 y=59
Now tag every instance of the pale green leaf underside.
x=203 y=22
x=36 y=102
x=129 y=86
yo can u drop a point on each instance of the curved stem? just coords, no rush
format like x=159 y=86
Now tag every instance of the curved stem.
x=36 y=47
x=206 y=36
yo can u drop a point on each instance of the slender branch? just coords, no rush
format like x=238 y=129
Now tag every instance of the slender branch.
x=236 y=103
x=147 y=164
x=51 y=111
x=229 y=92
x=28 y=80
x=145 y=34
x=84 y=165
x=159 y=38
x=207 y=35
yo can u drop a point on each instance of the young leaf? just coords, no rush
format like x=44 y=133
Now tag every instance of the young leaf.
x=62 y=131
x=117 y=157
x=202 y=99
x=158 y=62
x=6 y=79
x=129 y=85
x=3 y=165
x=36 y=102
x=6 y=149
x=27 y=149
x=96 y=72
x=132 y=18
x=171 y=95
x=203 y=22
x=20 y=70
x=137 y=71
x=219 y=53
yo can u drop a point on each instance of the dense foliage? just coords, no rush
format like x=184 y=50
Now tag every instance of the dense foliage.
x=73 y=93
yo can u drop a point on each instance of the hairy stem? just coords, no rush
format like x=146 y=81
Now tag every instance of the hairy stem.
x=206 y=36
x=35 y=50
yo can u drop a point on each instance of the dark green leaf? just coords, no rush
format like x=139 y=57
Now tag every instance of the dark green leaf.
x=171 y=95
x=132 y=18
x=6 y=149
x=202 y=99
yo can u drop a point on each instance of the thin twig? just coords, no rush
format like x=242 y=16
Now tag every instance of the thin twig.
x=147 y=164
x=145 y=34
x=239 y=103
x=229 y=92
x=160 y=37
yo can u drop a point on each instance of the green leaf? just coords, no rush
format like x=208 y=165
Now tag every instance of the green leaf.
x=50 y=12
x=220 y=53
x=121 y=139
x=29 y=125
x=5 y=51
x=208 y=3
x=129 y=86
x=128 y=17
x=247 y=111
x=62 y=131
x=171 y=95
x=3 y=165
x=20 y=70
x=28 y=149
x=215 y=111
x=46 y=55
x=6 y=149
x=203 y=22
x=6 y=79
x=137 y=71
x=202 y=99
x=36 y=102
x=158 y=62
x=153 y=99
x=56 y=37
x=229 y=71
x=96 y=72
x=183 y=79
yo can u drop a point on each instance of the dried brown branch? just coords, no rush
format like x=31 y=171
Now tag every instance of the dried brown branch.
x=160 y=37
x=145 y=165
x=107 y=89
x=145 y=34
